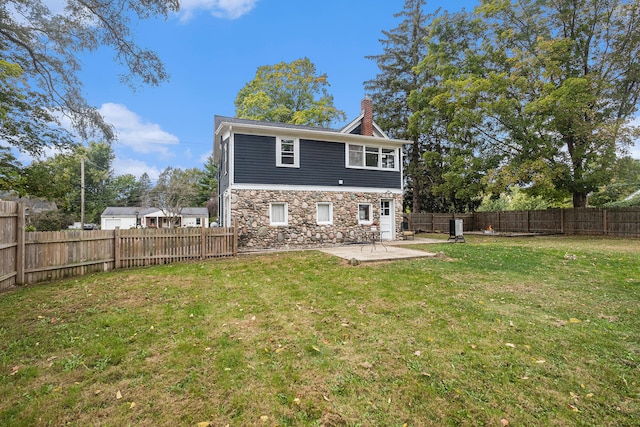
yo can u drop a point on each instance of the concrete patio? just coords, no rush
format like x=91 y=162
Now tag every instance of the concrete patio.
x=392 y=250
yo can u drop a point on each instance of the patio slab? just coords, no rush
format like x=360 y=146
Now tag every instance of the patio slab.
x=370 y=253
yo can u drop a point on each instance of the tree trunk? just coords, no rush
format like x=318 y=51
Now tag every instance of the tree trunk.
x=579 y=200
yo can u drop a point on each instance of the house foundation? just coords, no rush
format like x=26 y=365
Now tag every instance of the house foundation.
x=302 y=228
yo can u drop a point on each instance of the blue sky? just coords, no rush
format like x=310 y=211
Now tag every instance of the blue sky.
x=212 y=48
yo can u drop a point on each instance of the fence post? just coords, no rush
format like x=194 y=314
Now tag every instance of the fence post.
x=116 y=248
x=235 y=238
x=20 y=239
x=203 y=241
x=561 y=221
x=604 y=222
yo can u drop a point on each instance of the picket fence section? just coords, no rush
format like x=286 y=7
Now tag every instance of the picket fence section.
x=32 y=257
x=618 y=222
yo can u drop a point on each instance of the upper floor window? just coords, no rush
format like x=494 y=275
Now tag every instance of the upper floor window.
x=288 y=152
x=371 y=157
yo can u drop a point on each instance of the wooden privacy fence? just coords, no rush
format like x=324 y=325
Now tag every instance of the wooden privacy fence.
x=618 y=222
x=31 y=257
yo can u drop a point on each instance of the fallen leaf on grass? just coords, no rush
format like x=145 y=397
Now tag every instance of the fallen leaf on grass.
x=504 y=422
x=15 y=370
x=417 y=353
x=204 y=424
x=574 y=320
x=573 y=408
x=133 y=405
x=118 y=395
x=97 y=392
x=366 y=365
x=296 y=401
x=326 y=398
x=264 y=418
x=315 y=348
x=510 y=345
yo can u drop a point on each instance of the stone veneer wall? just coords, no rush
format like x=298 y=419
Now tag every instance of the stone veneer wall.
x=250 y=209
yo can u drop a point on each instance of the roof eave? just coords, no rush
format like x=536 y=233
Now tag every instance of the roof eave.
x=305 y=133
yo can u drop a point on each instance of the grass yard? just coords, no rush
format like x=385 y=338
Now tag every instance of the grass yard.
x=530 y=332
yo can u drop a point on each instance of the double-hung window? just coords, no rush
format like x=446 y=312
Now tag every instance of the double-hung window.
x=288 y=152
x=278 y=214
x=371 y=157
x=324 y=213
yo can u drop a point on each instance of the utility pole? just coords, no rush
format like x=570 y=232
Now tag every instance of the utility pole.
x=82 y=193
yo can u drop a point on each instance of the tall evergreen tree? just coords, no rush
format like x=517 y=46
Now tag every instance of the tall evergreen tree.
x=403 y=49
x=144 y=188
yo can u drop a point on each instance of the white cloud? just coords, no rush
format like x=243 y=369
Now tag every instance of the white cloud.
x=131 y=131
x=205 y=157
x=230 y=9
x=123 y=166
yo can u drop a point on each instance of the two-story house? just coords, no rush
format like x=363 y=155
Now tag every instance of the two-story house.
x=289 y=185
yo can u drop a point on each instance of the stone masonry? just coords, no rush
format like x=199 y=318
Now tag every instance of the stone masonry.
x=250 y=208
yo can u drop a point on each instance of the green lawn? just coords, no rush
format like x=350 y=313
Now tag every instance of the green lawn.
x=534 y=332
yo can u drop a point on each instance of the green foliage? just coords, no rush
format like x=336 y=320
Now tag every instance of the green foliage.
x=403 y=48
x=515 y=199
x=11 y=178
x=39 y=70
x=50 y=221
x=547 y=87
x=59 y=178
x=624 y=182
x=288 y=93
x=631 y=201
x=177 y=189
x=125 y=190
x=207 y=194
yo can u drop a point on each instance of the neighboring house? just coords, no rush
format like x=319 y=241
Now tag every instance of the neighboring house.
x=287 y=185
x=134 y=217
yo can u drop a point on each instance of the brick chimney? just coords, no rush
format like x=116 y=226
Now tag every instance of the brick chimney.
x=367 y=120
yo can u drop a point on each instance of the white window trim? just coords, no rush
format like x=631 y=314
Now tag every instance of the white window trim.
x=330 y=204
x=286 y=214
x=296 y=152
x=370 y=220
x=396 y=155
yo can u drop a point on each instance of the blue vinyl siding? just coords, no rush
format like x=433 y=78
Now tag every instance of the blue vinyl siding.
x=321 y=164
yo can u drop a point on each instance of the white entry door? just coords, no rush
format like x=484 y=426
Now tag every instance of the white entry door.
x=387 y=219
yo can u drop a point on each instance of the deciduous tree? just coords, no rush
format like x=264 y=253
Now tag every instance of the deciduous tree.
x=39 y=70
x=175 y=190
x=288 y=93
x=551 y=88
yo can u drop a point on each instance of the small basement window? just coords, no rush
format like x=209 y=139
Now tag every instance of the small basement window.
x=278 y=214
x=364 y=213
x=324 y=213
